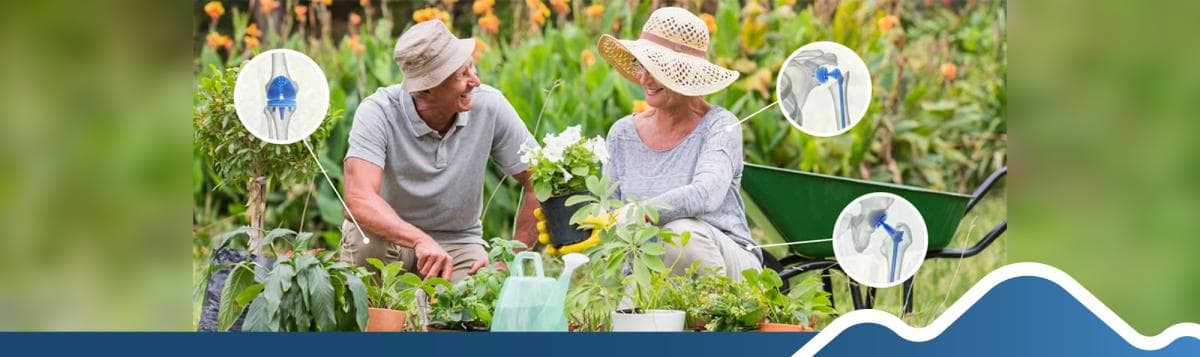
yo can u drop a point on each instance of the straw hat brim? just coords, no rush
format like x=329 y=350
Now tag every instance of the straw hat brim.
x=459 y=52
x=682 y=73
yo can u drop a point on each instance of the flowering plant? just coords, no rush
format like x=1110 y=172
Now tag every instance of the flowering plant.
x=563 y=164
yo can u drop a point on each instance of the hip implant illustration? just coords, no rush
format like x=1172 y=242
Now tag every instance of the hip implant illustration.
x=808 y=70
x=281 y=98
x=873 y=216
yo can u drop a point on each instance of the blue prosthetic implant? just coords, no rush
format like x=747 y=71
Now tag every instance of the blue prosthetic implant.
x=799 y=79
x=281 y=98
x=825 y=75
x=861 y=225
x=899 y=244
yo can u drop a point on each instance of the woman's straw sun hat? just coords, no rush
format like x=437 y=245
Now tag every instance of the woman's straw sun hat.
x=672 y=48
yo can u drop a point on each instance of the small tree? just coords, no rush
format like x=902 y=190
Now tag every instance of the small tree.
x=237 y=156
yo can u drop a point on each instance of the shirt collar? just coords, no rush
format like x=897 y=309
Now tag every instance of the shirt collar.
x=418 y=127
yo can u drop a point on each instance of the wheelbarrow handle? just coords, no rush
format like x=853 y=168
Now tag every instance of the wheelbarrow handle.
x=985 y=187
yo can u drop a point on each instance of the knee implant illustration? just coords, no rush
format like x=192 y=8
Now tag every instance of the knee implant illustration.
x=871 y=218
x=808 y=70
x=281 y=98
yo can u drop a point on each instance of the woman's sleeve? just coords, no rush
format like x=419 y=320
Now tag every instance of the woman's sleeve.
x=720 y=154
x=610 y=168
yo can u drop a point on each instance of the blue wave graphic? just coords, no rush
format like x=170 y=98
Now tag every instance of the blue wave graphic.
x=1021 y=316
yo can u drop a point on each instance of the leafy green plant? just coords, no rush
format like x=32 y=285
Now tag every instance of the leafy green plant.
x=469 y=304
x=630 y=254
x=306 y=289
x=397 y=289
x=804 y=303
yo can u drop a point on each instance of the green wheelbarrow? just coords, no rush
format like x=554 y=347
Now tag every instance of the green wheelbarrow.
x=804 y=206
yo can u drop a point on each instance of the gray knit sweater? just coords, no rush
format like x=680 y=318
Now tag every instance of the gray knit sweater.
x=698 y=178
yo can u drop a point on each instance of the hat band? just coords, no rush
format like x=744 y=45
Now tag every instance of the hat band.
x=677 y=47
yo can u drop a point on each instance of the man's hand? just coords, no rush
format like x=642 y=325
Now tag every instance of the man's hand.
x=432 y=260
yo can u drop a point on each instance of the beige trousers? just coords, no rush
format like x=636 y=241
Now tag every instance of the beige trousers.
x=355 y=252
x=711 y=247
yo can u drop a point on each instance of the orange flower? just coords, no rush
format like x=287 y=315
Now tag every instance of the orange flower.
x=251 y=42
x=537 y=12
x=480 y=46
x=354 y=45
x=216 y=41
x=588 y=58
x=490 y=23
x=213 y=40
x=253 y=30
x=355 y=19
x=301 y=13
x=560 y=6
x=327 y=2
x=949 y=71
x=268 y=5
x=214 y=9
x=483 y=6
x=709 y=21
x=364 y=3
x=431 y=13
x=888 y=22
x=594 y=10
x=639 y=106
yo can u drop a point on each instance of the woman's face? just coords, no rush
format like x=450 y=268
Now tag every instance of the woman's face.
x=657 y=95
x=455 y=91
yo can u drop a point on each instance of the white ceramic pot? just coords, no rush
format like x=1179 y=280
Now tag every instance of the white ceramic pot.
x=651 y=320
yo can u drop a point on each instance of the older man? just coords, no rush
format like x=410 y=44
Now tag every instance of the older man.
x=418 y=151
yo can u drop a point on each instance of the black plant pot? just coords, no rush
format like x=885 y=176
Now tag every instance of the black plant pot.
x=558 y=221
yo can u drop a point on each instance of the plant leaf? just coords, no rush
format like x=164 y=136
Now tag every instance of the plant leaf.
x=358 y=292
x=240 y=277
x=322 y=299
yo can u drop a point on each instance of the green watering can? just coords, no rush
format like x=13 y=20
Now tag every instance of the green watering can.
x=534 y=302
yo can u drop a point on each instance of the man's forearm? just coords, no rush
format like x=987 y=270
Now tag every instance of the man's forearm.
x=526 y=231
x=379 y=221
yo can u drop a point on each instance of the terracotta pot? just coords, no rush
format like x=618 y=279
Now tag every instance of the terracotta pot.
x=774 y=327
x=384 y=320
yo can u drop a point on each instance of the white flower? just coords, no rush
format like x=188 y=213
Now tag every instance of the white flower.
x=556 y=145
x=566 y=174
x=597 y=147
x=529 y=153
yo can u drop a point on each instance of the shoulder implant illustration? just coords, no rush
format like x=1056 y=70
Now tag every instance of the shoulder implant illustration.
x=808 y=70
x=281 y=98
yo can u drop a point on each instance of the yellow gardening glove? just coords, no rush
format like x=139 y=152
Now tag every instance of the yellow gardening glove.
x=543 y=232
x=595 y=223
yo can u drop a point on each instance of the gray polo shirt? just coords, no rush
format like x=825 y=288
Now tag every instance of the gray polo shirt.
x=435 y=182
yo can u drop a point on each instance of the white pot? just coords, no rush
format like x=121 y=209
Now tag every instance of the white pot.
x=651 y=320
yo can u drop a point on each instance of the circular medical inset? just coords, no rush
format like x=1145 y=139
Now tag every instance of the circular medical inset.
x=281 y=96
x=880 y=239
x=824 y=89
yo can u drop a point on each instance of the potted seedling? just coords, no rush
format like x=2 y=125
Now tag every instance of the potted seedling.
x=558 y=171
x=631 y=254
x=393 y=292
x=799 y=310
x=469 y=304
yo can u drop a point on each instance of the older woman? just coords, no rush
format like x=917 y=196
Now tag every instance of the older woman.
x=682 y=151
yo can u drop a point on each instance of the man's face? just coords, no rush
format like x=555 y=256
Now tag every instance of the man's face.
x=455 y=91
